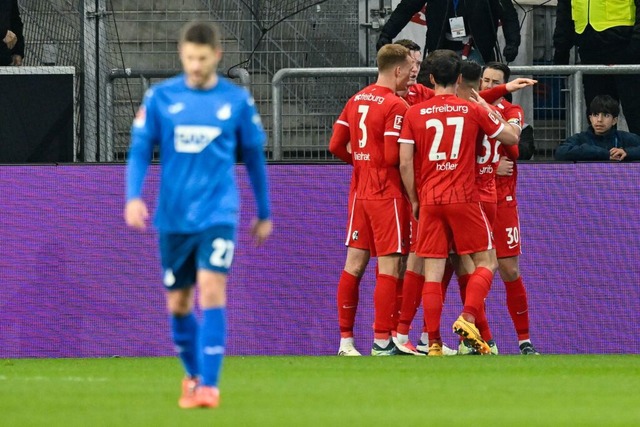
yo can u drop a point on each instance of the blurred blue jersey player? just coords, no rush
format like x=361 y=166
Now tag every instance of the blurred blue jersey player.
x=198 y=119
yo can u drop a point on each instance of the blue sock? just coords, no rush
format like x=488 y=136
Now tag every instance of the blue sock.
x=184 y=330
x=212 y=344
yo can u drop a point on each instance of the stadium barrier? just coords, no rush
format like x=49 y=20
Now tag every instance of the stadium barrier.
x=77 y=282
x=297 y=124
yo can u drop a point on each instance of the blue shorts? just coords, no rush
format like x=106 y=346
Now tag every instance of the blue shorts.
x=182 y=255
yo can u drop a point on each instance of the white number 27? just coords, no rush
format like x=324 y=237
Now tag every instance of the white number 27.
x=434 y=154
x=222 y=254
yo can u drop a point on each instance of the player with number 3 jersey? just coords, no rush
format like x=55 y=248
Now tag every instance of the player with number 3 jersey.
x=370 y=126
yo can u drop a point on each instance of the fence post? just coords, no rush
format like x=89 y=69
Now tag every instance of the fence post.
x=276 y=94
x=577 y=112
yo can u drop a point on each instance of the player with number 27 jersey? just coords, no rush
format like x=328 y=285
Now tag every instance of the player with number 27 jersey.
x=445 y=131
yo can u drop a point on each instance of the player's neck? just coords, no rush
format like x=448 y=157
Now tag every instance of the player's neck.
x=208 y=83
x=386 y=81
x=445 y=90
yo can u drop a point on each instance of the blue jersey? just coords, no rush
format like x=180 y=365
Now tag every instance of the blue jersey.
x=198 y=131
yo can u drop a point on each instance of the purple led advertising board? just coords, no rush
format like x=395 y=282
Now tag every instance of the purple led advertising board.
x=76 y=282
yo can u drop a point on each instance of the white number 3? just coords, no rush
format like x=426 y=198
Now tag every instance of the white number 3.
x=222 y=255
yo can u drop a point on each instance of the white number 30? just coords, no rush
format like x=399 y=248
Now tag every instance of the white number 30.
x=222 y=255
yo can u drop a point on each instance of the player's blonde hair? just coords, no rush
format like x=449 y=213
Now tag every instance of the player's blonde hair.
x=392 y=55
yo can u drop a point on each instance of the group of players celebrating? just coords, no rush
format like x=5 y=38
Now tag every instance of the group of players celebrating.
x=432 y=193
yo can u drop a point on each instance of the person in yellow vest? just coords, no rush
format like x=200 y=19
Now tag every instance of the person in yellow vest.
x=606 y=32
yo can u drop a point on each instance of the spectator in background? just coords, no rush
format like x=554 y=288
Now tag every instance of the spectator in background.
x=602 y=141
x=12 y=46
x=468 y=27
x=605 y=35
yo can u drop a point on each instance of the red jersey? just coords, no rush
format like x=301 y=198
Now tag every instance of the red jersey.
x=506 y=185
x=418 y=93
x=445 y=131
x=374 y=118
x=489 y=156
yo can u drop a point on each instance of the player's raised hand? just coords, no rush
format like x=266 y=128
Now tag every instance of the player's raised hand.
x=261 y=229
x=520 y=83
x=136 y=214
x=476 y=98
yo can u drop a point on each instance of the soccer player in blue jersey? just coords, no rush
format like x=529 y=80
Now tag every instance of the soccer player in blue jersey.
x=198 y=119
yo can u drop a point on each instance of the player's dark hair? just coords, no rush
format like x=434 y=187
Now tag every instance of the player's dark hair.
x=471 y=71
x=391 y=55
x=409 y=44
x=604 y=104
x=444 y=65
x=494 y=65
x=201 y=33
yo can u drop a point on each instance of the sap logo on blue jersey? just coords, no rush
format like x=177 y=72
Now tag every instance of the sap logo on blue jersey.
x=194 y=139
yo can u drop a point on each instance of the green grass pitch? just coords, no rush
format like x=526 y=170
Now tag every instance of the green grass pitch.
x=593 y=390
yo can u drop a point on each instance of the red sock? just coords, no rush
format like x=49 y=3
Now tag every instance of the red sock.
x=411 y=297
x=348 y=295
x=398 y=307
x=483 y=324
x=477 y=290
x=432 y=305
x=446 y=279
x=384 y=304
x=518 y=307
x=462 y=283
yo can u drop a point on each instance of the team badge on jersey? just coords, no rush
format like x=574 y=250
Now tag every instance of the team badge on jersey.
x=354 y=235
x=224 y=113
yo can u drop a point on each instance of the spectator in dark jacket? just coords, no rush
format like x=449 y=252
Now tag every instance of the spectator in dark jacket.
x=12 y=43
x=602 y=141
x=480 y=21
x=606 y=32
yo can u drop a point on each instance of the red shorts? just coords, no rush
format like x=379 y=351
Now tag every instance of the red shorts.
x=506 y=232
x=490 y=210
x=358 y=232
x=463 y=226
x=388 y=225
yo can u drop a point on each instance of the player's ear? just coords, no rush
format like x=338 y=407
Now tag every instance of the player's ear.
x=432 y=80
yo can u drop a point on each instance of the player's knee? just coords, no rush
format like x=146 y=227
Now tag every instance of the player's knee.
x=509 y=273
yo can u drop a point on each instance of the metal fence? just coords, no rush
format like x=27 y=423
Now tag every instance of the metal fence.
x=259 y=36
x=554 y=108
x=102 y=39
x=98 y=36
